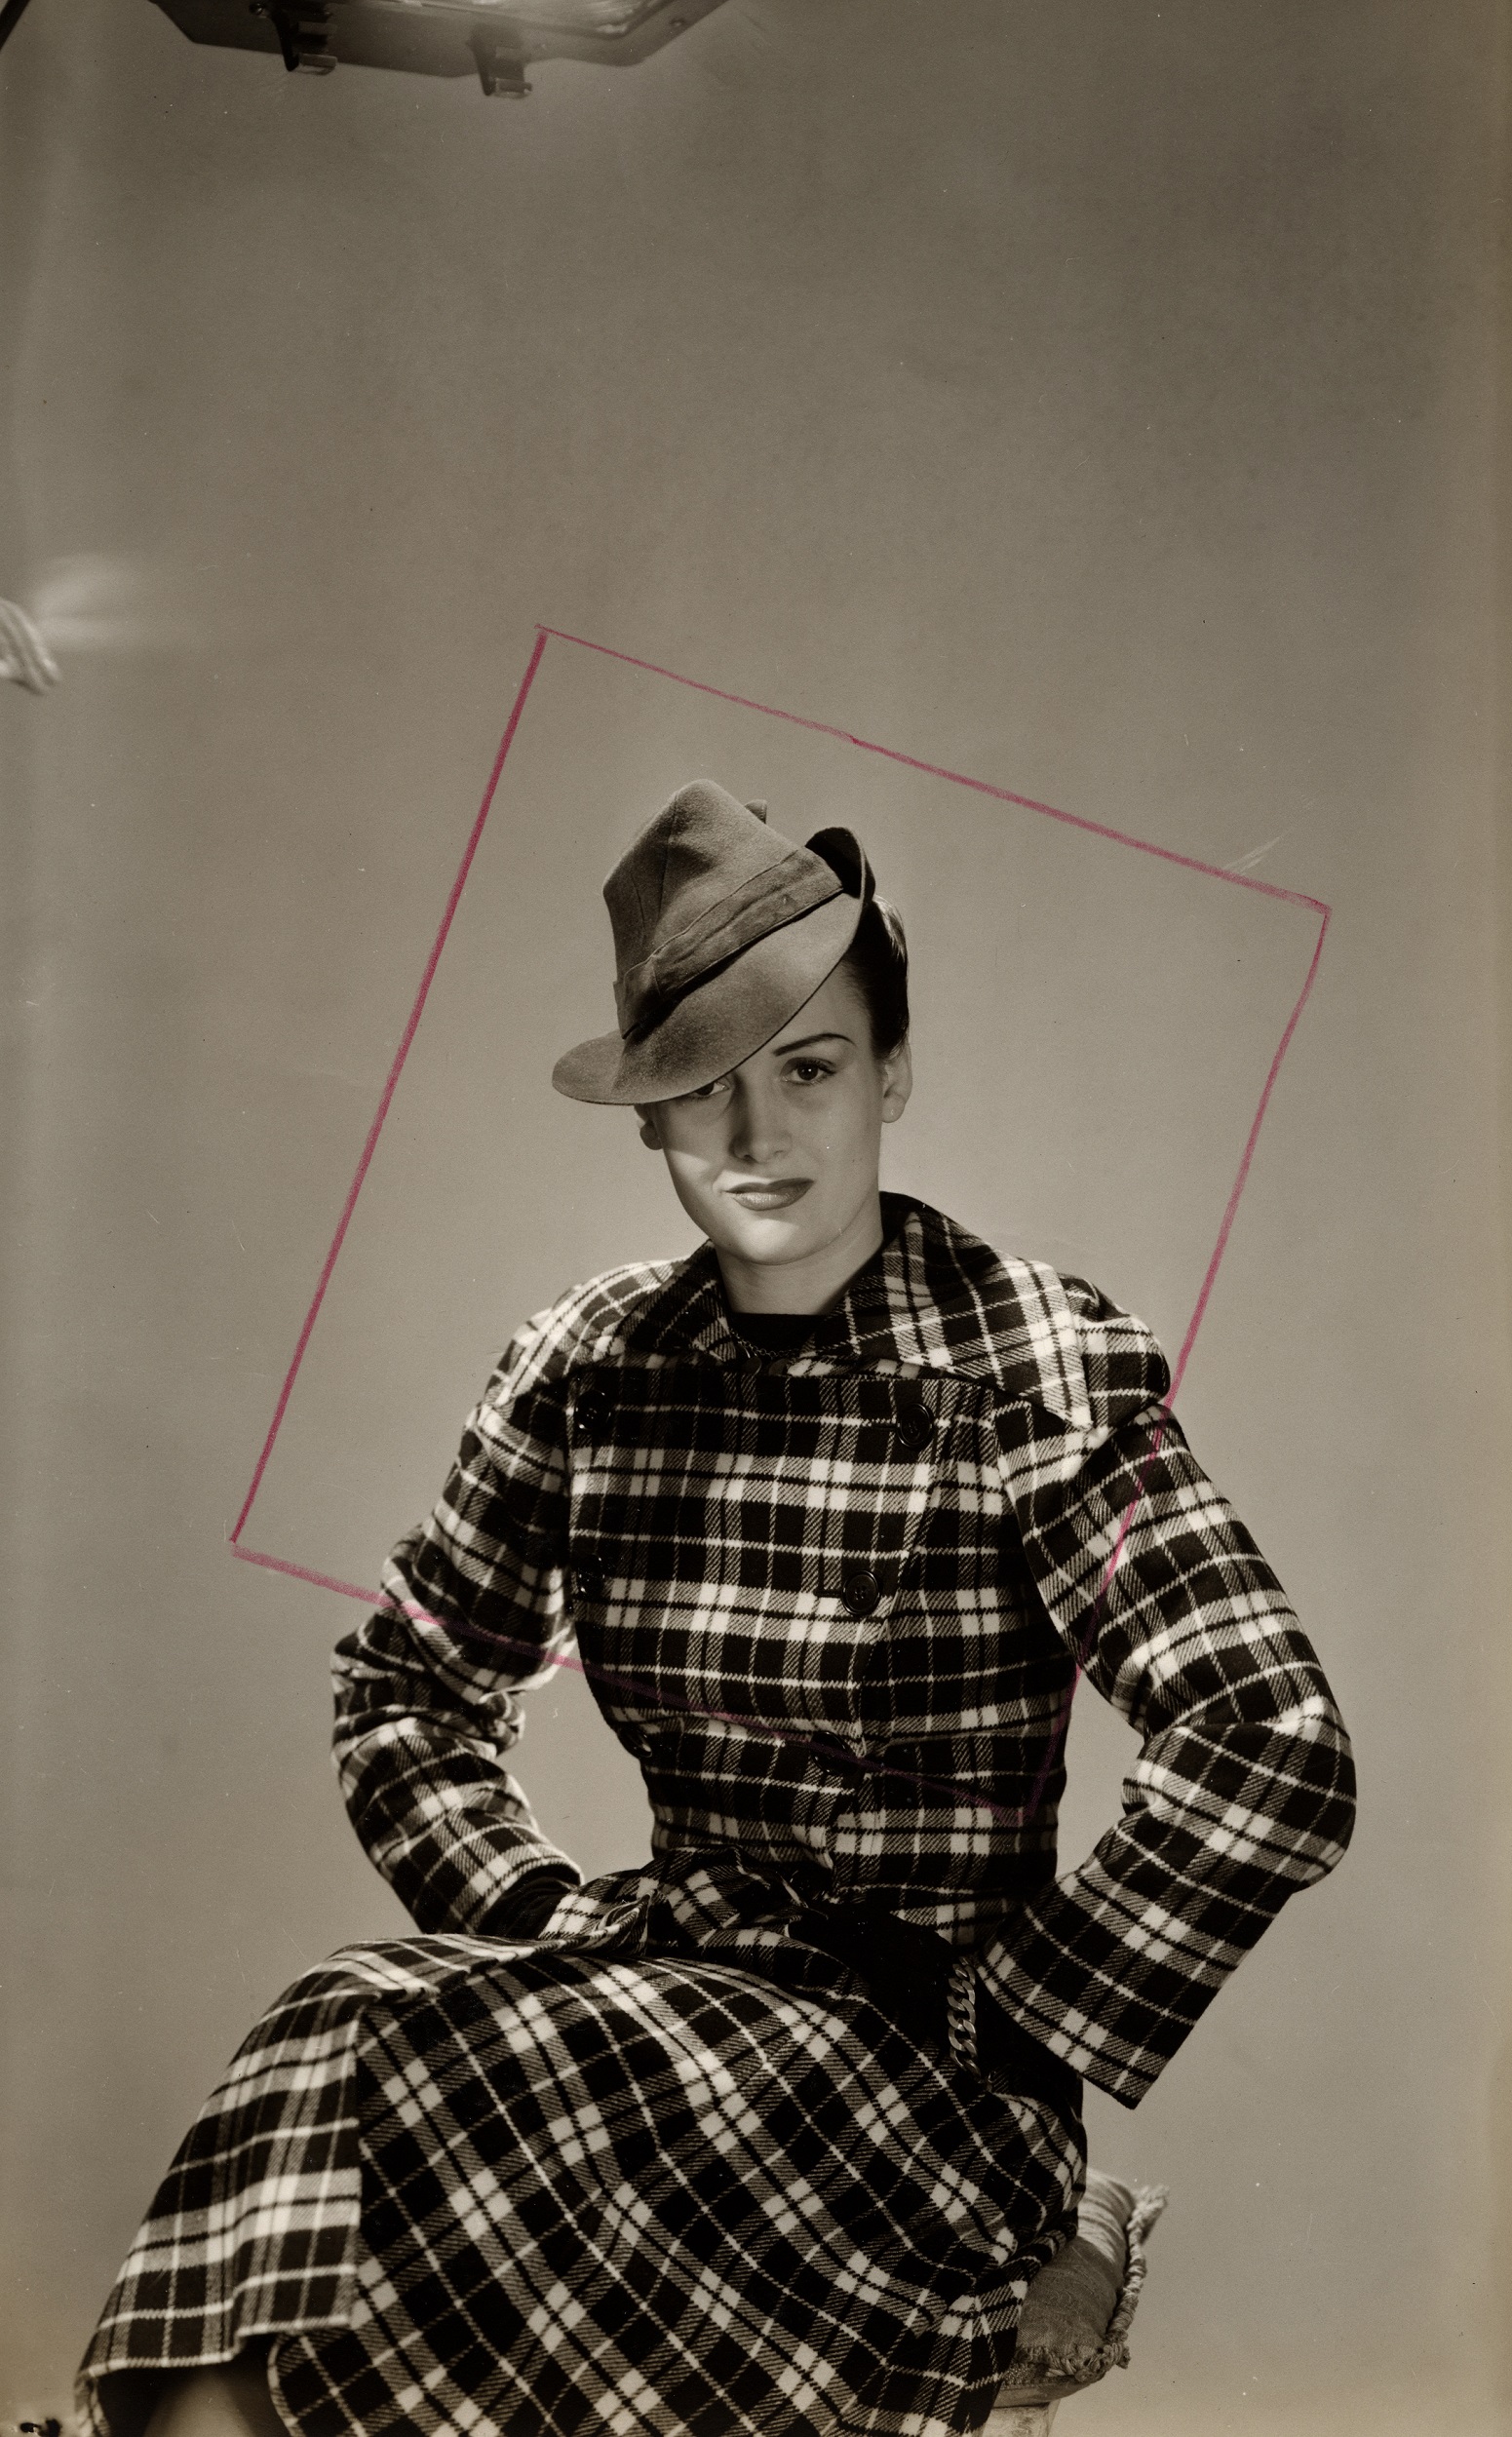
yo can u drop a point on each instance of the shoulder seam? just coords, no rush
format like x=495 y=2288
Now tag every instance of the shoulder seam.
x=585 y=1324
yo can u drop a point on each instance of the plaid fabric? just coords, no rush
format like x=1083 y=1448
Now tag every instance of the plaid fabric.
x=643 y=2196
x=836 y=1603
x=457 y=2183
x=665 y=2167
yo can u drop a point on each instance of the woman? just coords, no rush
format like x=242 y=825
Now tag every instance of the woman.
x=773 y=2134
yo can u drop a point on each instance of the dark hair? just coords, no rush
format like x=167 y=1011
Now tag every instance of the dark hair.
x=877 y=962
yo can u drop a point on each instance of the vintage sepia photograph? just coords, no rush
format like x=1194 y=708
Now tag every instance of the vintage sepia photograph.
x=757 y=1389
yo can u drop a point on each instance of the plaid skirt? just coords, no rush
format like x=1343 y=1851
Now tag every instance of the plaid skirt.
x=458 y=2183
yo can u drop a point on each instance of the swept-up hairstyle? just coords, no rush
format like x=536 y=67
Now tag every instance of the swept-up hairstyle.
x=877 y=962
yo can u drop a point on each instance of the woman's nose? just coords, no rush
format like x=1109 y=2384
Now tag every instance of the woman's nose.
x=759 y=1130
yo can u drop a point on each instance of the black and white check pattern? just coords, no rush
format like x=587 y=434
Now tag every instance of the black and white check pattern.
x=457 y=2183
x=666 y=2168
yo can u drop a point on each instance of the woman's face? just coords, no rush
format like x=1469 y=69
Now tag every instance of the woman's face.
x=777 y=1162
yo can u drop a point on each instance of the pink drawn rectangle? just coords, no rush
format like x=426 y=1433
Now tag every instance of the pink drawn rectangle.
x=982 y=787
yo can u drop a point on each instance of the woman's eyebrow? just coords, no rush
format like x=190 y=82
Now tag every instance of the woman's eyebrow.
x=783 y=1049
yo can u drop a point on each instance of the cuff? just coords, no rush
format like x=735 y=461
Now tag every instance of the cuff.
x=526 y=1910
x=1011 y=2059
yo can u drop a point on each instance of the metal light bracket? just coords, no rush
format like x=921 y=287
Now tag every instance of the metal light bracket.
x=495 y=40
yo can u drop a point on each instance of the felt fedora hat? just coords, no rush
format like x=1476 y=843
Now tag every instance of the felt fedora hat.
x=722 y=929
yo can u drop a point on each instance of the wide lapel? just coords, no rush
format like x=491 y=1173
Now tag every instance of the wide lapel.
x=935 y=1297
x=932 y=1298
x=687 y=1315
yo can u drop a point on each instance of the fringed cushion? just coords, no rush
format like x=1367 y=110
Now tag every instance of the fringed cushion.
x=1075 y=2325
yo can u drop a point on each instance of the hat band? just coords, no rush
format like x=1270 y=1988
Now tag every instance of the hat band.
x=647 y=991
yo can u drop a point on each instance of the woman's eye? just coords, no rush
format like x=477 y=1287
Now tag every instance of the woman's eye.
x=808 y=1070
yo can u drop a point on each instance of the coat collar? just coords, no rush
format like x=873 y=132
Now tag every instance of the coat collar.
x=933 y=1297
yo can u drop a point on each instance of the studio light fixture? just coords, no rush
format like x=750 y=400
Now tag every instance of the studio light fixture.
x=494 y=40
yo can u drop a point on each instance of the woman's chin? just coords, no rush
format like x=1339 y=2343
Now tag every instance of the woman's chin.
x=765 y=1235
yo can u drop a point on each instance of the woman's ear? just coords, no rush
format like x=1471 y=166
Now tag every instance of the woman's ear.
x=897 y=1083
x=649 y=1132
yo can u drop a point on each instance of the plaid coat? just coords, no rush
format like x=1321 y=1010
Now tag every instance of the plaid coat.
x=667 y=2165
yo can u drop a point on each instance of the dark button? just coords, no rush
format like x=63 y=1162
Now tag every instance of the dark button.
x=592 y=1413
x=860 y=1592
x=902 y=1759
x=916 y=1427
x=586 y=1582
x=837 y=1760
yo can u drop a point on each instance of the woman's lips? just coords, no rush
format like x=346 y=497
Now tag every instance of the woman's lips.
x=775 y=1193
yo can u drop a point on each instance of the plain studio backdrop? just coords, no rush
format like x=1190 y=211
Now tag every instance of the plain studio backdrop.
x=1097 y=400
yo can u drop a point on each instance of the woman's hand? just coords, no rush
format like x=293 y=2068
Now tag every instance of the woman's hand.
x=906 y=1972
x=905 y=1969
x=530 y=1905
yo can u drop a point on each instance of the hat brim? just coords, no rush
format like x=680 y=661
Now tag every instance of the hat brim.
x=721 y=1021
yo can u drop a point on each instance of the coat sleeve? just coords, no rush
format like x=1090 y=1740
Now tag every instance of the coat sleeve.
x=427 y=1689
x=1244 y=1788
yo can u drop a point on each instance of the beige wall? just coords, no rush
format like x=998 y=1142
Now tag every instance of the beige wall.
x=1096 y=399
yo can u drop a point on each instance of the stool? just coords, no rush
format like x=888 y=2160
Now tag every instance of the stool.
x=1075 y=2326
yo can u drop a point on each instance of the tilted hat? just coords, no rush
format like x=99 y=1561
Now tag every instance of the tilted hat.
x=723 y=930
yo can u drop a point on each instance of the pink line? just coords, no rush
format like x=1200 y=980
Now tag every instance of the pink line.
x=394 y=1072
x=1199 y=1308
x=1242 y=1178
x=1181 y=1363
x=957 y=778
x=1062 y=1723
x=307 y=1574
x=653 y=1695
x=1061 y=1726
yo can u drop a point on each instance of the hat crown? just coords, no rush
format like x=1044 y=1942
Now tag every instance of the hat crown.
x=722 y=929
x=699 y=849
